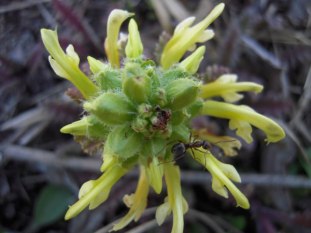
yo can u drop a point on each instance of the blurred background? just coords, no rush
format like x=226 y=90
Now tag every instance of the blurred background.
x=41 y=170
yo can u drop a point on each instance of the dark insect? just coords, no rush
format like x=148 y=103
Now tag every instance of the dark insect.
x=163 y=117
x=179 y=149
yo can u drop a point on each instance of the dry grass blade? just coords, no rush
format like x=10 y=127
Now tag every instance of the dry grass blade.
x=207 y=220
x=78 y=23
x=146 y=213
x=26 y=154
x=176 y=9
x=162 y=14
x=20 y=5
x=261 y=52
x=144 y=227
x=303 y=105
x=26 y=119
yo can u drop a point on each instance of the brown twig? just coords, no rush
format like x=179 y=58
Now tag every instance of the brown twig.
x=27 y=154
x=266 y=180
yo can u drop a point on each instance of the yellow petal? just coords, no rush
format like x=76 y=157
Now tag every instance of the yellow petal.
x=272 y=130
x=155 y=174
x=228 y=170
x=115 y=19
x=128 y=200
x=227 y=87
x=72 y=54
x=100 y=198
x=185 y=206
x=58 y=69
x=134 y=47
x=139 y=202
x=206 y=35
x=228 y=144
x=191 y=63
x=175 y=198
x=183 y=25
x=179 y=43
x=219 y=188
x=104 y=183
x=162 y=212
x=86 y=187
x=244 y=129
x=67 y=65
x=96 y=65
x=220 y=177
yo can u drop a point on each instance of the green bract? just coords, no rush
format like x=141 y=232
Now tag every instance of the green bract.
x=138 y=105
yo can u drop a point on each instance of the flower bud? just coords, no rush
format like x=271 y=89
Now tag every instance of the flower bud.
x=108 y=79
x=136 y=84
x=181 y=93
x=154 y=147
x=181 y=133
x=123 y=142
x=134 y=47
x=178 y=117
x=88 y=126
x=116 y=18
x=191 y=64
x=195 y=108
x=145 y=110
x=110 y=108
x=96 y=65
x=159 y=97
x=139 y=125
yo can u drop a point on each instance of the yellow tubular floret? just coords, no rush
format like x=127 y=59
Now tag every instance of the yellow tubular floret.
x=227 y=87
x=66 y=65
x=116 y=18
x=185 y=37
x=233 y=112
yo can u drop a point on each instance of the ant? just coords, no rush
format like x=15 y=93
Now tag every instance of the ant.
x=180 y=148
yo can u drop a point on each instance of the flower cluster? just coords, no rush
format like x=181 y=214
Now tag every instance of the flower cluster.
x=137 y=107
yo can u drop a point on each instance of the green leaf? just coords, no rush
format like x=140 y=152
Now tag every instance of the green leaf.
x=306 y=166
x=238 y=221
x=51 y=205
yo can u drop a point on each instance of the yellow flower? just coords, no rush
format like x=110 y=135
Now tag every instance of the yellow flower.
x=175 y=202
x=136 y=202
x=115 y=19
x=185 y=37
x=228 y=144
x=191 y=63
x=155 y=174
x=137 y=108
x=66 y=65
x=227 y=87
x=95 y=192
x=134 y=47
x=222 y=174
x=241 y=118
